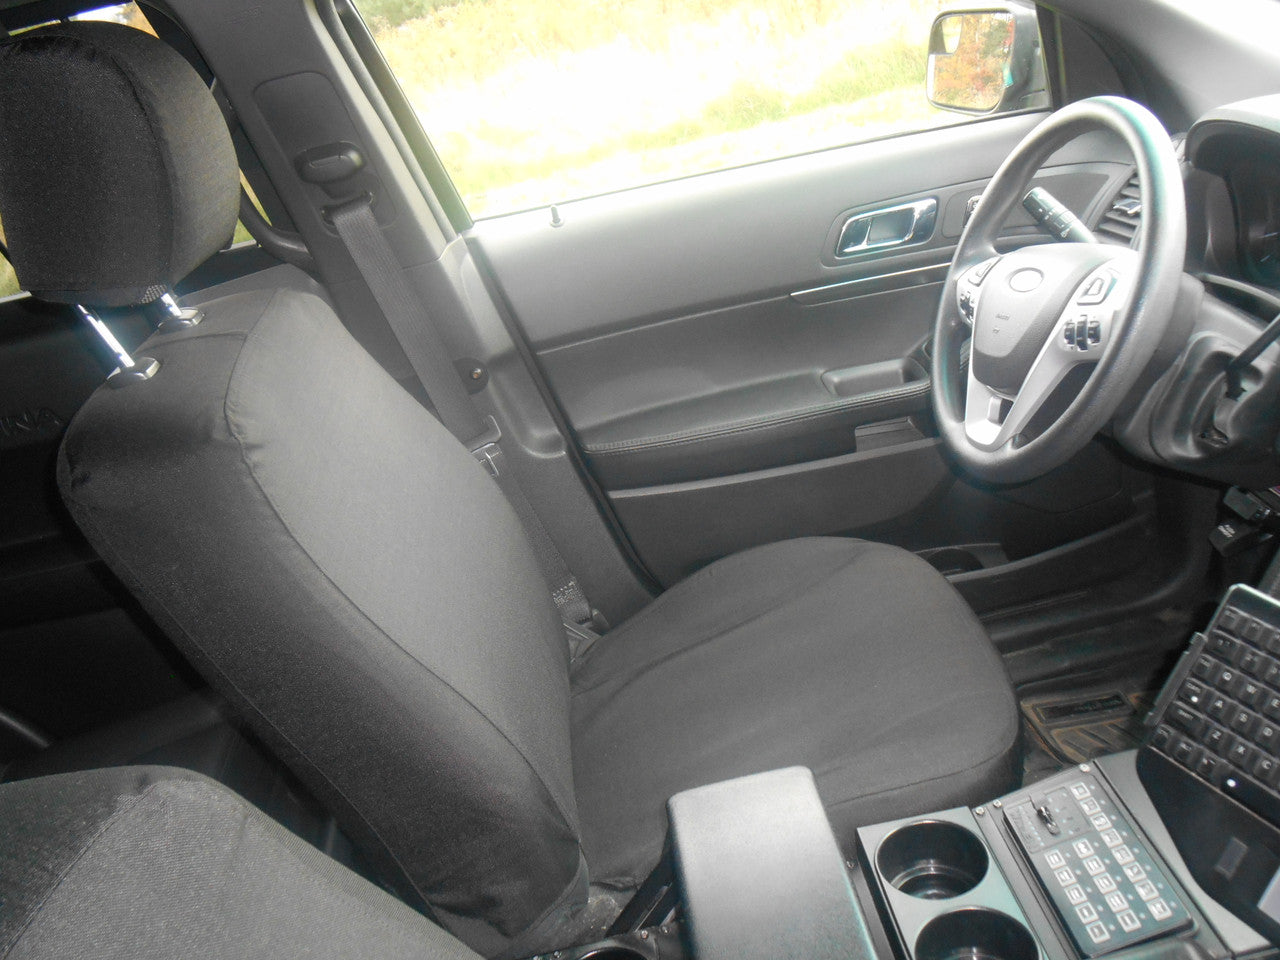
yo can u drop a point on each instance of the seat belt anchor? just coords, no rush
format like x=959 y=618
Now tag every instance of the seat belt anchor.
x=364 y=198
x=485 y=447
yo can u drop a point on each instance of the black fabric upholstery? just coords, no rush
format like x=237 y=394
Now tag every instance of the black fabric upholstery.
x=197 y=733
x=345 y=573
x=150 y=863
x=350 y=577
x=854 y=659
x=117 y=173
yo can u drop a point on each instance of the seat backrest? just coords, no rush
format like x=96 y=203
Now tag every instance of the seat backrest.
x=316 y=543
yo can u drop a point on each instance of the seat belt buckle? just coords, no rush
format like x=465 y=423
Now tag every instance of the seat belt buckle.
x=485 y=447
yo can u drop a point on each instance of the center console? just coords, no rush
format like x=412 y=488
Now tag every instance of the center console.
x=1171 y=848
x=1060 y=871
x=1169 y=852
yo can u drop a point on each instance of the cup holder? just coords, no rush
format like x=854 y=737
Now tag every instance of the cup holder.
x=932 y=860
x=975 y=934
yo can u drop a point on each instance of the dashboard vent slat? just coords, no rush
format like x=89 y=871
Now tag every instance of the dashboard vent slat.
x=1119 y=225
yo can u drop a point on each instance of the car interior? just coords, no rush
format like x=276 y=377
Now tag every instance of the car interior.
x=864 y=553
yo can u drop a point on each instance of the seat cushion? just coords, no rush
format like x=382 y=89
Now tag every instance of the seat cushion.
x=855 y=659
x=196 y=732
x=151 y=863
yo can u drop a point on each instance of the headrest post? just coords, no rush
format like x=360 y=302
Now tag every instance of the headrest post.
x=130 y=370
x=176 y=317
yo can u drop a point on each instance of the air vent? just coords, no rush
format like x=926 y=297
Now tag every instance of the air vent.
x=1121 y=221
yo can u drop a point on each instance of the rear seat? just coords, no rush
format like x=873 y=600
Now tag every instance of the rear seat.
x=146 y=863
x=195 y=733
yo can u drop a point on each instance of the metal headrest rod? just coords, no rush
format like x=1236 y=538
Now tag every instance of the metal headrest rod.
x=175 y=317
x=130 y=370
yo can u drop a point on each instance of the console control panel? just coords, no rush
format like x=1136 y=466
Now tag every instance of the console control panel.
x=1106 y=887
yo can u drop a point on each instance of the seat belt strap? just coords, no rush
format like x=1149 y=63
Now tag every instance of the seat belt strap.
x=418 y=337
x=378 y=265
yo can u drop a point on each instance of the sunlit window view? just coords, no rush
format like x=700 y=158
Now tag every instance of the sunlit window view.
x=530 y=103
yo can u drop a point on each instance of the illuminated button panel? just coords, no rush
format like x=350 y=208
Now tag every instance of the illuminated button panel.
x=1105 y=886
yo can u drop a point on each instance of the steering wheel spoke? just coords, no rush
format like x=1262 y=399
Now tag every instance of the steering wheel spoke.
x=1081 y=335
x=992 y=419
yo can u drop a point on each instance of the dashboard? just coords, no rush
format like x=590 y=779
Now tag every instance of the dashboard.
x=1254 y=182
x=1235 y=203
x=1212 y=405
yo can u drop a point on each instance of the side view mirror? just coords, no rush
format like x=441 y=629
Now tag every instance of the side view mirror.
x=987 y=60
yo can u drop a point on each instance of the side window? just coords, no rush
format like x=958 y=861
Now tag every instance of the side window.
x=528 y=104
x=8 y=279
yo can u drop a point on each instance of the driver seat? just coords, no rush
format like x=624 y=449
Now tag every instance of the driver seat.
x=343 y=571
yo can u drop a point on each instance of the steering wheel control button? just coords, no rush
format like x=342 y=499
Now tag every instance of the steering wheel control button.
x=967 y=292
x=1082 y=332
x=979 y=273
x=1096 y=289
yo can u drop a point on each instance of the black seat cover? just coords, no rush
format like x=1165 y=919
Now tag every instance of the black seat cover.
x=343 y=571
x=330 y=556
x=854 y=659
x=150 y=863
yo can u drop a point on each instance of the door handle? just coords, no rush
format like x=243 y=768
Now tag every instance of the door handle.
x=895 y=226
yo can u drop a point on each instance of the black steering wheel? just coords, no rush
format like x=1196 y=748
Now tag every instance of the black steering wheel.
x=1036 y=315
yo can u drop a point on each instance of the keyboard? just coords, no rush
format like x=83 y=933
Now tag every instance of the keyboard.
x=1221 y=721
x=1211 y=760
x=1105 y=885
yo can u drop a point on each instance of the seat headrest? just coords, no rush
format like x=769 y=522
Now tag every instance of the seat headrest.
x=117 y=173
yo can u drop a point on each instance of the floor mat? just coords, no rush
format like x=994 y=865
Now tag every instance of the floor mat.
x=1081 y=724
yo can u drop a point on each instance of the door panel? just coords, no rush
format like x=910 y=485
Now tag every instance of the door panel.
x=743 y=235
x=743 y=388
x=729 y=378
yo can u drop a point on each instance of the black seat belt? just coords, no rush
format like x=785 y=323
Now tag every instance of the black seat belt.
x=422 y=344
